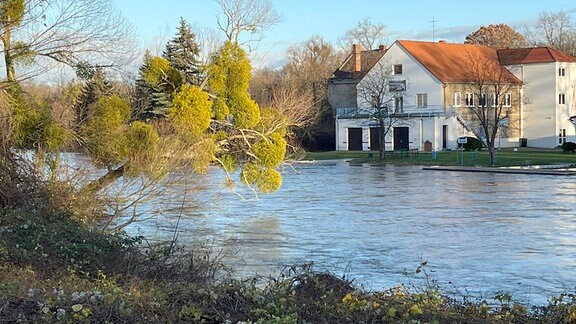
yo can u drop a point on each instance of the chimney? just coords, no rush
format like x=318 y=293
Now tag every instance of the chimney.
x=441 y=41
x=381 y=48
x=357 y=53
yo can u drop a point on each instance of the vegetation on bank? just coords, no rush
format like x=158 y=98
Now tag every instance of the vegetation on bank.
x=504 y=157
x=56 y=268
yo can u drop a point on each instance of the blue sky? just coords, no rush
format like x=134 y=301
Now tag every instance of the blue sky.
x=156 y=21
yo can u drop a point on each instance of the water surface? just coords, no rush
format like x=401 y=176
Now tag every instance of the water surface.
x=479 y=232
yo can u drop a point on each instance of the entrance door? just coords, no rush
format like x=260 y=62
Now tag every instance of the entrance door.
x=401 y=138
x=354 y=139
x=375 y=138
x=444 y=136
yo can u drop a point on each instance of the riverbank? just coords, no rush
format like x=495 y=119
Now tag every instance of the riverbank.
x=56 y=269
x=556 y=170
x=505 y=157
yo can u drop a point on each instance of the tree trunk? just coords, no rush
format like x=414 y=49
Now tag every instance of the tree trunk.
x=382 y=136
x=6 y=42
x=105 y=180
x=491 y=154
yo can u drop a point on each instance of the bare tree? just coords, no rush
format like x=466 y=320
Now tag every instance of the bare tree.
x=313 y=59
x=273 y=88
x=383 y=94
x=310 y=64
x=211 y=40
x=240 y=16
x=70 y=32
x=365 y=33
x=492 y=111
x=554 y=29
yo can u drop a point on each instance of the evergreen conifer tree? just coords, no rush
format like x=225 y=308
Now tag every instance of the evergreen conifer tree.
x=182 y=52
x=97 y=86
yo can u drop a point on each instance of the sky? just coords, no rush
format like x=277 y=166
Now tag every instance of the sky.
x=156 y=21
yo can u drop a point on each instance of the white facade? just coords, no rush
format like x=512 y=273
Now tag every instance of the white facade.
x=547 y=107
x=549 y=100
x=435 y=122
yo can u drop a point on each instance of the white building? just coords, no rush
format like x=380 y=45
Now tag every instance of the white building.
x=549 y=94
x=539 y=97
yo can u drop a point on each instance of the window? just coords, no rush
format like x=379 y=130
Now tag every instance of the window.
x=507 y=100
x=422 y=100
x=494 y=99
x=399 y=105
x=396 y=86
x=469 y=100
x=562 y=136
x=561 y=99
x=562 y=72
x=397 y=69
x=482 y=100
x=457 y=99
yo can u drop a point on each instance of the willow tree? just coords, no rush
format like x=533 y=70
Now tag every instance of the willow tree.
x=229 y=81
x=247 y=136
x=220 y=125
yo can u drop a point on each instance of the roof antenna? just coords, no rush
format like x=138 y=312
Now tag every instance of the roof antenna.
x=433 y=21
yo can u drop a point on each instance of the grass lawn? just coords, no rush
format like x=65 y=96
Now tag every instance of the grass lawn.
x=505 y=157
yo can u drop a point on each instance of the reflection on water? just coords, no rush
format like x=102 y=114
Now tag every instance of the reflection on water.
x=481 y=232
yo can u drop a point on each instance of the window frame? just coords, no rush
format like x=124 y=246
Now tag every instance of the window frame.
x=422 y=100
x=482 y=100
x=561 y=98
x=562 y=72
x=507 y=100
x=457 y=99
x=399 y=104
x=396 y=85
x=469 y=99
x=562 y=136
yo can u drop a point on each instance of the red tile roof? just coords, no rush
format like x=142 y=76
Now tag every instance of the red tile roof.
x=450 y=62
x=533 y=55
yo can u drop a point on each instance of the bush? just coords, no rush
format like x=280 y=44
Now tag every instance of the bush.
x=569 y=147
x=473 y=144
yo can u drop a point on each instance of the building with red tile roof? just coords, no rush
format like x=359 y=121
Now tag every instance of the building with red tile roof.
x=444 y=82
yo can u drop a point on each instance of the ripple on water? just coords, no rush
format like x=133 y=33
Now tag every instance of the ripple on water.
x=480 y=232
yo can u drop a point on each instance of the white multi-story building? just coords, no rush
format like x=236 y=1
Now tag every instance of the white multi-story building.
x=539 y=97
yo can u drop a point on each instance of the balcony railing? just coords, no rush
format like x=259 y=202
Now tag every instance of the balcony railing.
x=408 y=112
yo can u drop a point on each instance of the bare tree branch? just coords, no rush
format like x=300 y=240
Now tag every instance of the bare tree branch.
x=366 y=34
x=554 y=29
x=71 y=32
x=383 y=95
x=240 y=16
x=492 y=111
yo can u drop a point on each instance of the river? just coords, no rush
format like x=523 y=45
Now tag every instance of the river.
x=480 y=233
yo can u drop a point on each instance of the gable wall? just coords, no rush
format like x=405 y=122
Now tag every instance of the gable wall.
x=418 y=80
x=539 y=104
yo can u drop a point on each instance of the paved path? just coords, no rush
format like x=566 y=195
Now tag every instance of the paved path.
x=543 y=171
